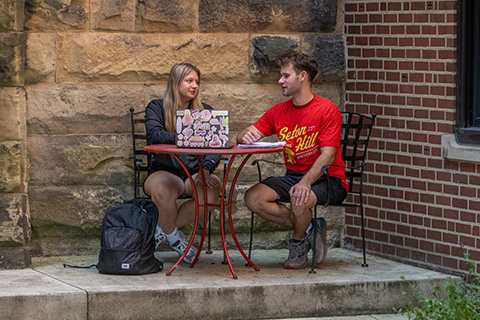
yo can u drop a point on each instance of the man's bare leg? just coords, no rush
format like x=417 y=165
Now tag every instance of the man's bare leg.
x=301 y=217
x=261 y=200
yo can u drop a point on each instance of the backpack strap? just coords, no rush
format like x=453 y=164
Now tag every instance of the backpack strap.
x=79 y=267
x=145 y=203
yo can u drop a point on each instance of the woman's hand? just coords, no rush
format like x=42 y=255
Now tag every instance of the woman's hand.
x=209 y=181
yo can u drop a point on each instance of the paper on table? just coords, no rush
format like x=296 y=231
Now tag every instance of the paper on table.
x=263 y=145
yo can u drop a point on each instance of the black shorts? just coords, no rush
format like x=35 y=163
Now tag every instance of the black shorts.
x=179 y=172
x=282 y=185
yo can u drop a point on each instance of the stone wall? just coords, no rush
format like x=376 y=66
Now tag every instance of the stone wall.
x=14 y=211
x=87 y=62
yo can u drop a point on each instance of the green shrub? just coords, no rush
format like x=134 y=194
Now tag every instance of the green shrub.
x=458 y=301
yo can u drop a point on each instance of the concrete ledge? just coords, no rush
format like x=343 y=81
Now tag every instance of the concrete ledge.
x=31 y=294
x=208 y=291
x=453 y=151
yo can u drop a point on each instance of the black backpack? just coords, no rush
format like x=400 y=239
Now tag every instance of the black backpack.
x=127 y=239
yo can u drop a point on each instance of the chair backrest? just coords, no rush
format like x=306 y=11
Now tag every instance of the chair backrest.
x=142 y=159
x=356 y=131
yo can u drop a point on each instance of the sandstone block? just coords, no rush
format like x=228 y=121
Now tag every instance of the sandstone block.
x=14 y=220
x=246 y=102
x=149 y=57
x=13 y=122
x=56 y=15
x=80 y=160
x=113 y=14
x=15 y=258
x=12 y=15
x=72 y=211
x=76 y=246
x=167 y=16
x=82 y=109
x=13 y=167
x=12 y=59
x=267 y=16
x=265 y=54
x=158 y=91
x=329 y=52
x=332 y=91
x=40 y=58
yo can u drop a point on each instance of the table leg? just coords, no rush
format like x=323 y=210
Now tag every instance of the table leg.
x=222 y=216
x=197 y=209
x=222 y=206
x=230 y=198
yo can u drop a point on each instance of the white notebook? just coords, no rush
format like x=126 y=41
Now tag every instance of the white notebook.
x=263 y=145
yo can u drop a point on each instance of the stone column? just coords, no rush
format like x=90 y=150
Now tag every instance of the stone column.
x=14 y=211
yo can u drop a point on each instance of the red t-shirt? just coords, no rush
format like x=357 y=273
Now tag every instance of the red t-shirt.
x=306 y=129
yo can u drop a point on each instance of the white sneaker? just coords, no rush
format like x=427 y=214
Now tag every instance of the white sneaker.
x=159 y=236
x=180 y=245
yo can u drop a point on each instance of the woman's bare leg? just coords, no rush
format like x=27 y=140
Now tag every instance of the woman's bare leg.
x=186 y=212
x=164 y=188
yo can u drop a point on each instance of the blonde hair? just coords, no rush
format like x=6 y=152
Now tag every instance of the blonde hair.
x=172 y=99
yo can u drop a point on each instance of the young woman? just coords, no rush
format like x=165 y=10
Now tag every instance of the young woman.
x=167 y=179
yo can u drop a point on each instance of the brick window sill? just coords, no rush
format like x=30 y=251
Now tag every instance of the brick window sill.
x=451 y=150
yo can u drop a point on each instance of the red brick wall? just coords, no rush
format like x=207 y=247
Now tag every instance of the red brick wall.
x=401 y=65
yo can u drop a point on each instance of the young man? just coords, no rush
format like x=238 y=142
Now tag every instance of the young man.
x=310 y=126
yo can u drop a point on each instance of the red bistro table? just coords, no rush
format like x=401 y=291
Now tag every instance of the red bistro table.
x=233 y=152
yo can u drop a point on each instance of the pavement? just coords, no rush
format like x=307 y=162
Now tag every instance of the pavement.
x=339 y=289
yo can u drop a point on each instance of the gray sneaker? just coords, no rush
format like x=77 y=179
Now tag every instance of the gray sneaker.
x=180 y=247
x=297 y=256
x=321 y=245
x=159 y=236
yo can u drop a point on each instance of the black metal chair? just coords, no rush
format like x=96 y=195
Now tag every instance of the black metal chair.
x=142 y=161
x=356 y=132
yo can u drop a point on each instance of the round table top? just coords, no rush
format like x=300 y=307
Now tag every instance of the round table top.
x=171 y=148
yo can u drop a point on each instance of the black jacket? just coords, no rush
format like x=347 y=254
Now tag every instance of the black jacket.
x=157 y=133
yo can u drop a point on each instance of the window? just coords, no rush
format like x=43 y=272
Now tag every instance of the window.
x=467 y=129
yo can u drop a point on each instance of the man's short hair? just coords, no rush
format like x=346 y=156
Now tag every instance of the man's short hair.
x=301 y=62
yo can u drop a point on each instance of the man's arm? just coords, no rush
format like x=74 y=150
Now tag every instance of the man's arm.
x=299 y=193
x=249 y=135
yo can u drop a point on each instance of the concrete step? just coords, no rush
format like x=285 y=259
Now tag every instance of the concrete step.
x=390 y=316
x=340 y=287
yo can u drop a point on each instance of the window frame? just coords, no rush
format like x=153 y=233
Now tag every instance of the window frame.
x=467 y=129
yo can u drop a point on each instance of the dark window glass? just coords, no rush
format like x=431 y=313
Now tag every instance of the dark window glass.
x=467 y=129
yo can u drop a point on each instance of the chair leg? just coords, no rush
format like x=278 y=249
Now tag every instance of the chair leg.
x=312 y=271
x=209 y=250
x=224 y=256
x=363 y=238
x=137 y=182
x=251 y=239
